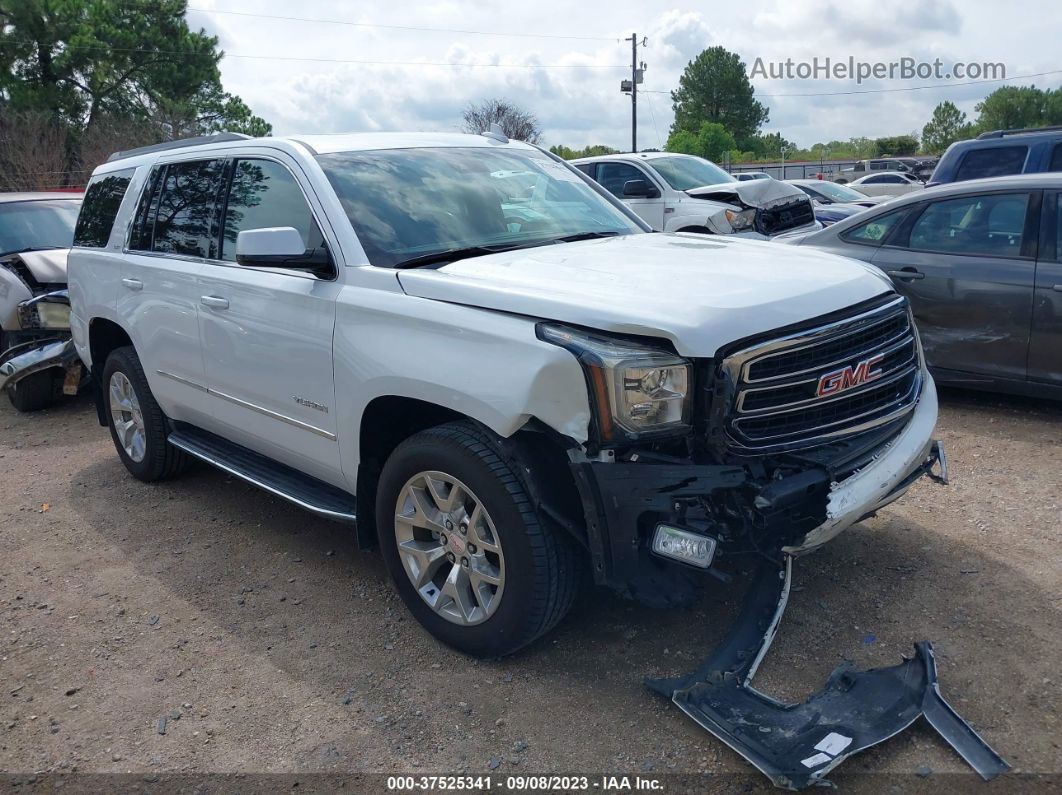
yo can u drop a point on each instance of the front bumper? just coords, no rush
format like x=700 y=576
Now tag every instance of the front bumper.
x=37 y=356
x=624 y=501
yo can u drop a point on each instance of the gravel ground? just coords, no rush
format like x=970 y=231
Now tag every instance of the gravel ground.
x=267 y=644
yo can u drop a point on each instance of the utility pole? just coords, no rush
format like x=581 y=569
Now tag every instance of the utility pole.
x=637 y=72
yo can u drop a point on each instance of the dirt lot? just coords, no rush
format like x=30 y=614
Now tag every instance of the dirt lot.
x=270 y=645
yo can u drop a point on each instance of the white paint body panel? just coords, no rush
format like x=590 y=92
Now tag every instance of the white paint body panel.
x=461 y=336
x=700 y=292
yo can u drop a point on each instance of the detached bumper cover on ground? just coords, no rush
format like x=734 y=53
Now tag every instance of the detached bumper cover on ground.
x=796 y=745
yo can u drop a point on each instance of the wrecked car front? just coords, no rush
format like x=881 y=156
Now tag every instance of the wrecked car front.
x=764 y=208
x=741 y=406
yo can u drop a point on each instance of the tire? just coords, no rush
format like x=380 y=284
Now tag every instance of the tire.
x=34 y=392
x=539 y=575
x=157 y=459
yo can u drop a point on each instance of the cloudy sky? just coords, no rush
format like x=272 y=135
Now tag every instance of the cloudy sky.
x=564 y=61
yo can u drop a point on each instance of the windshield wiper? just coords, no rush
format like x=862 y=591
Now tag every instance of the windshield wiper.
x=450 y=255
x=583 y=236
x=454 y=254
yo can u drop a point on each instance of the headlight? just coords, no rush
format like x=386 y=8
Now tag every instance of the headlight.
x=637 y=391
x=741 y=220
x=49 y=312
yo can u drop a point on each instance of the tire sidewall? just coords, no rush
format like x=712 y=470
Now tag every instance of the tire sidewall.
x=124 y=361
x=507 y=625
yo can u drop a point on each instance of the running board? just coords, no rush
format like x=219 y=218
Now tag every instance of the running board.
x=283 y=481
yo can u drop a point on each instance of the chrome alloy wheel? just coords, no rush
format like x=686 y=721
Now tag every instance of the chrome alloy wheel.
x=125 y=413
x=449 y=548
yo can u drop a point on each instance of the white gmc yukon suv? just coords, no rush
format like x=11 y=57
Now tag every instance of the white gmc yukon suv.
x=491 y=368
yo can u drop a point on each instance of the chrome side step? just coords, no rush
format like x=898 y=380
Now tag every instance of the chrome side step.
x=283 y=481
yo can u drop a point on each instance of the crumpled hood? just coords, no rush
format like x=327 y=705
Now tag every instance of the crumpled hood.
x=753 y=192
x=47 y=267
x=701 y=292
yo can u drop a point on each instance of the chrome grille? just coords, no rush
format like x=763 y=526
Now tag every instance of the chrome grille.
x=872 y=358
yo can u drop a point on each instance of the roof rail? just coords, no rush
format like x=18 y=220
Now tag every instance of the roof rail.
x=1022 y=131
x=180 y=143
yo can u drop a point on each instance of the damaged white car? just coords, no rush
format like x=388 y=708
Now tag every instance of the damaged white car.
x=495 y=385
x=683 y=193
x=37 y=360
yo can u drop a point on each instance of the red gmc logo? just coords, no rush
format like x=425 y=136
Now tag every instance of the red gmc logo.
x=848 y=377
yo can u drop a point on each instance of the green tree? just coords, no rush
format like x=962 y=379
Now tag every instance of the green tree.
x=683 y=142
x=1013 y=107
x=896 y=145
x=714 y=141
x=593 y=150
x=947 y=126
x=715 y=88
x=119 y=64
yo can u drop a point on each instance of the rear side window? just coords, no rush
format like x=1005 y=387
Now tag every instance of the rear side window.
x=184 y=210
x=994 y=161
x=264 y=194
x=1056 y=159
x=989 y=226
x=875 y=231
x=103 y=197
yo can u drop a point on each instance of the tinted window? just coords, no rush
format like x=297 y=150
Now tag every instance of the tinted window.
x=612 y=176
x=103 y=197
x=875 y=230
x=184 y=216
x=984 y=225
x=995 y=161
x=1056 y=159
x=48 y=223
x=140 y=234
x=407 y=203
x=586 y=168
x=264 y=194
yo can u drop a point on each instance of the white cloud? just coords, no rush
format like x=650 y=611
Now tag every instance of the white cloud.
x=578 y=105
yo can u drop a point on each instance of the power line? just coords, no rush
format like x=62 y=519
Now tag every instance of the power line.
x=364 y=62
x=400 y=27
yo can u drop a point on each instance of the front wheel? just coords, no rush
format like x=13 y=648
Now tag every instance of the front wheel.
x=467 y=551
x=34 y=392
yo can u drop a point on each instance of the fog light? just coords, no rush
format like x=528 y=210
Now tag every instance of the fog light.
x=691 y=548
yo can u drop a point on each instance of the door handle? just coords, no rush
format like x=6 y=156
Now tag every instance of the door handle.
x=1057 y=288
x=214 y=301
x=906 y=273
x=133 y=284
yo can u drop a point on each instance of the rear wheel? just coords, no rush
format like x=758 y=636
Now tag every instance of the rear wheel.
x=467 y=551
x=138 y=426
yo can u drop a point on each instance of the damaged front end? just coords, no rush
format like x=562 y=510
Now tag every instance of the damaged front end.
x=43 y=362
x=763 y=207
x=794 y=437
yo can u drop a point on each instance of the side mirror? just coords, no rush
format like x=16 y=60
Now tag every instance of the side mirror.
x=278 y=247
x=639 y=189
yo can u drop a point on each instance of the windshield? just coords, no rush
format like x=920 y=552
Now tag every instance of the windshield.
x=413 y=203
x=685 y=172
x=835 y=192
x=44 y=223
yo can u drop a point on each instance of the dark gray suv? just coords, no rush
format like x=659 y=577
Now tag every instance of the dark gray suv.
x=981 y=263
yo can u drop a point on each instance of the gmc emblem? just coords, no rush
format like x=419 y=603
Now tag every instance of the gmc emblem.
x=839 y=380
